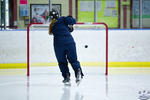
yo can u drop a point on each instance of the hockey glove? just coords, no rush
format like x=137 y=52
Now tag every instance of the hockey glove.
x=70 y=28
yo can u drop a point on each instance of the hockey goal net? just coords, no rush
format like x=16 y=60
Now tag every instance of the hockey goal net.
x=91 y=40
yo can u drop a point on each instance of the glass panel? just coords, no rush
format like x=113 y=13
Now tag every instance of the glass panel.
x=86 y=9
x=0 y=13
x=3 y=14
x=7 y=13
x=135 y=13
x=145 y=13
x=107 y=11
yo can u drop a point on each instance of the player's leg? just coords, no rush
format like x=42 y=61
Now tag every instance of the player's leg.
x=62 y=61
x=72 y=57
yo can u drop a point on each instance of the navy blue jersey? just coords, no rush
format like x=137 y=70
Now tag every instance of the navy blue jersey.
x=60 y=30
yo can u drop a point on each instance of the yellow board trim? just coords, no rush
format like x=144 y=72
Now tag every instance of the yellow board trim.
x=98 y=64
x=13 y=65
x=129 y=64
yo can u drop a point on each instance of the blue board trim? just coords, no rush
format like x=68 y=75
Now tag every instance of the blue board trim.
x=77 y=29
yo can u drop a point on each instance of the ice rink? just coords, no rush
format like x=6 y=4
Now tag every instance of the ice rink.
x=45 y=83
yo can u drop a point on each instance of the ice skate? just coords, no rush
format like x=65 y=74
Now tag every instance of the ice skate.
x=79 y=77
x=66 y=81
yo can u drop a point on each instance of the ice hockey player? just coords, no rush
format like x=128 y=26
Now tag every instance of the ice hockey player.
x=64 y=45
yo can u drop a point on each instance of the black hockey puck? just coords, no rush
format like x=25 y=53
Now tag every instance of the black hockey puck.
x=86 y=46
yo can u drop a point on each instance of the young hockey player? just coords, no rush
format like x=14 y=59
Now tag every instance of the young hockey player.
x=64 y=45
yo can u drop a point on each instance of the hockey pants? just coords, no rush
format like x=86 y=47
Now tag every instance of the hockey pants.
x=65 y=53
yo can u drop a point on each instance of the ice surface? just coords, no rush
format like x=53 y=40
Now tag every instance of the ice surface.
x=46 y=84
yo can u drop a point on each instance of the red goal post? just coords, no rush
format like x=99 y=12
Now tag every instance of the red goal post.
x=95 y=23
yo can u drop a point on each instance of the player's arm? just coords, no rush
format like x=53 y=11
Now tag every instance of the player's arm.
x=70 y=21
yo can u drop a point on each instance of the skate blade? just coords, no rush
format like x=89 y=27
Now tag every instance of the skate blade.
x=78 y=82
x=67 y=84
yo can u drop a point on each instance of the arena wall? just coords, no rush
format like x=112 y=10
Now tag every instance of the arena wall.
x=126 y=46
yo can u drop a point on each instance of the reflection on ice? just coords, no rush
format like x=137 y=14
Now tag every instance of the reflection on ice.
x=94 y=86
x=69 y=91
x=66 y=93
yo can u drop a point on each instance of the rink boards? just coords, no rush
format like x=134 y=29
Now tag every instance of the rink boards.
x=127 y=48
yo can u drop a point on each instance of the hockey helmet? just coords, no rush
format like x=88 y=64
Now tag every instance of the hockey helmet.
x=54 y=14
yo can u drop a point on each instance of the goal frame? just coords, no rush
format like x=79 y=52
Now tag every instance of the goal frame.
x=94 y=23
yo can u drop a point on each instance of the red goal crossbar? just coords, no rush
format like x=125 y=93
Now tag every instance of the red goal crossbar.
x=28 y=44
